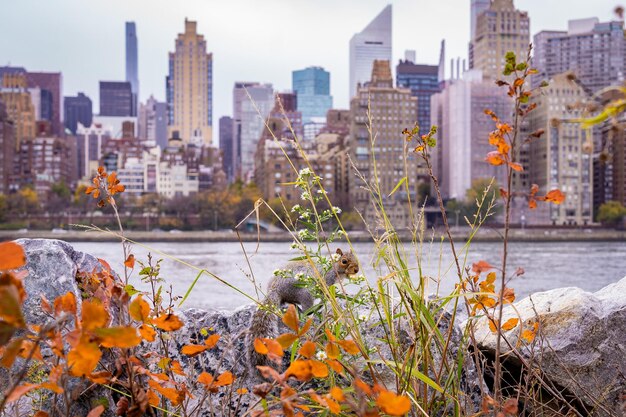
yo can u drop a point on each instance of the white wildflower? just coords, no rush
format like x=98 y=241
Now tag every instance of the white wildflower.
x=295 y=208
x=336 y=210
x=321 y=355
x=362 y=317
x=305 y=195
x=335 y=257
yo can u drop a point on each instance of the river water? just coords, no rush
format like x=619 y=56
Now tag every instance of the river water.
x=547 y=265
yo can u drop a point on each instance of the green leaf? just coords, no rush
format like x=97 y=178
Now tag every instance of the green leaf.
x=145 y=271
x=130 y=290
x=510 y=57
x=204 y=332
x=431 y=142
x=402 y=181
x=521 y=66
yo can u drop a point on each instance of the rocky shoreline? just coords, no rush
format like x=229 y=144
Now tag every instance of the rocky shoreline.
x=581 y=342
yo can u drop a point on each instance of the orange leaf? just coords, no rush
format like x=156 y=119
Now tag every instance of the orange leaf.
x=335 y=365
x=529 y=334
x=153 y=399
x=94 y=314
x=225 y=379
x=532 y=204
x=269 y=372
x=45 y=305
x=177 y=369
x=171 y=394
x=260 y=347
x=308 y=349
x=19 y=391
x=495 y=158
x=492 y=325
x=337 y=394
x=212 y=340
x=65 y=303
x=102 y=377
x=83 y=358
x=147 y=332
x=349 y=346
x=517 y=167
x=509 y=295
x=10 y=309
x=96 y=412
x=299 y=369
x=555 y=196
x=481 y=266
x=40 y=413
x=242 y=391
x=392 y=404
x=193 y=350
x=286 y=339
x=333 y=406
x=318 y=369
x=332 y=350
x=130 y=261
x=363 y=387
x=510 y=324
x=290 y=318
x=120 y=337
x=10 y=352
x=168 y=322
x=11 y=255
x=206 y=379
x=139 y=309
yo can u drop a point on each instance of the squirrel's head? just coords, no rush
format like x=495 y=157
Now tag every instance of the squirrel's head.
x=347 y=263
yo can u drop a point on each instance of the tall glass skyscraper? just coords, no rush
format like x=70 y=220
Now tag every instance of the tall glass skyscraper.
x=423 y=81
x=131 y=63
x=372 y=43
x=312 y=86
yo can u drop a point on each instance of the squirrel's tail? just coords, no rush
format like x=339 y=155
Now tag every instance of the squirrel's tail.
x=264 y=324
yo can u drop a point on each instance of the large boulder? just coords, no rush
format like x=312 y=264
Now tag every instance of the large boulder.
x=580 y=346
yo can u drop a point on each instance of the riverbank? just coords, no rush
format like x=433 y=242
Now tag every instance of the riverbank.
x=460 y=234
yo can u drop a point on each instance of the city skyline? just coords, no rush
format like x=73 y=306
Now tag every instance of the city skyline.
x=242 y=42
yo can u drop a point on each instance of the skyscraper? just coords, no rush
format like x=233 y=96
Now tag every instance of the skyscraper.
x=249 y=115
x=312 y=85
x=594 y=51
x=562 y=157
x=19 y=106
x=372 y=43
x=499 y=29
x=190 y=88
x=116 y=98
x=132 y=63
x=7 y=149
x=463 y=134
x=477 y=7
x=382 y=100
x=423 y=81
x=226 y=145
x=77 y=110
x=153 y=122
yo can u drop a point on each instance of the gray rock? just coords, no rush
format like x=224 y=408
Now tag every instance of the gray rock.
x=581 y=344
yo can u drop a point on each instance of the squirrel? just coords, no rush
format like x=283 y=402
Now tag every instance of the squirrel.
x=264 y=323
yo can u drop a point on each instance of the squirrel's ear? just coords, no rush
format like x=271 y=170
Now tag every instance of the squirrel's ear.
x=339 y=252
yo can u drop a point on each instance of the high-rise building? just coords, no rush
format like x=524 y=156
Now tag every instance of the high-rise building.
x=594 y=51
x=499 y=29
x=312 y=85
x=477 y=7
x=7 y=149
x=391 y=110
x=19 y=106
x=89 y=143
x=132 y=63
x=77 y=110
x=226 y=145
x=423 y=81
x=153 y=122
x=116 y=98
x=51 y=83
x=252 y=103
x=562 y=158
x=190 y=88
x=372 y=43
x=43 y=103
x=463 y=132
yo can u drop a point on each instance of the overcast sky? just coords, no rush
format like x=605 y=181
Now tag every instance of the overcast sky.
x=251 y=40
